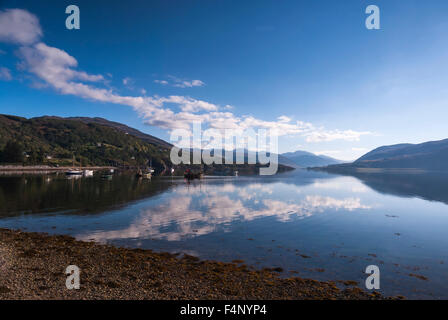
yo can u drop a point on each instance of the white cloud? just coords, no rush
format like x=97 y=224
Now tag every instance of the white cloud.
x=189 y=84
x=5 y=74
x=284 y=119
x=19 y=26
x=163 y=82
x=179 y=83
x=127 y=81
x=322 y=135
x=57 y=69
x=327 y=152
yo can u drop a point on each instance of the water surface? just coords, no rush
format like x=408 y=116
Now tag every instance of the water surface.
x=327 y=227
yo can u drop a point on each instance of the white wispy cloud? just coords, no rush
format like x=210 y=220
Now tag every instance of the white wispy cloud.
x=327 y=152
x=180 y=83
x=127 y=81
x=55 y=68
x=19 y=26
x=322 y=135
x=189 y=84
x=163 y=82
x=5 y=74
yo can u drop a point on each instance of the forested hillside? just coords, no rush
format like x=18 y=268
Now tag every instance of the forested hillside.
x=52 y=140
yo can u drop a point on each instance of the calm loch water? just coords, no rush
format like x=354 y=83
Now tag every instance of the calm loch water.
x=317 y=225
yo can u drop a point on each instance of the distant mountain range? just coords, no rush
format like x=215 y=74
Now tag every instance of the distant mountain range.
x=431 y=156
x=296 y=160
x=303 y=159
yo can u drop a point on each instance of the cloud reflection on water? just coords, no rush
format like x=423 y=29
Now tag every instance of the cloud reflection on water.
x=200 y=210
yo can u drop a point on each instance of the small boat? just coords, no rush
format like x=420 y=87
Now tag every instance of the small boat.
x=73 y=172
x=191 y=175
x=145 y=175
x=88 y=173
x=150 y=169
x=111 y=170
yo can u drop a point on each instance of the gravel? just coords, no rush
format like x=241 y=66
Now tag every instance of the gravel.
x=32 y=266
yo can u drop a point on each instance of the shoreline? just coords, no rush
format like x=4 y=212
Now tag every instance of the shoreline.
x=45 y=168
x=33 y=266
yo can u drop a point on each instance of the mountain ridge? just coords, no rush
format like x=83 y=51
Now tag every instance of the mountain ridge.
x=305 y=159
x=117 y=125
x=430 y=156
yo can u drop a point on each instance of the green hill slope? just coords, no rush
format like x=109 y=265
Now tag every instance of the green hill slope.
x=55 y=140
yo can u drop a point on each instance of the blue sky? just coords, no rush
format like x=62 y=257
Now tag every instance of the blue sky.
x=339 y=88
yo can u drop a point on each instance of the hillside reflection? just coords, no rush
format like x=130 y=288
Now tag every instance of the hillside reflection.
x=30 y=194
x=431 y=186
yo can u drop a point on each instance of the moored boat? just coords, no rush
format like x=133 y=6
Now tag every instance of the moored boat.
x=191 y=175
x=145 y=175
x=88 y=173
x=73 y=172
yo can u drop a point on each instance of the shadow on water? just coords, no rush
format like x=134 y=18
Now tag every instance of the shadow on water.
x=30 y=194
